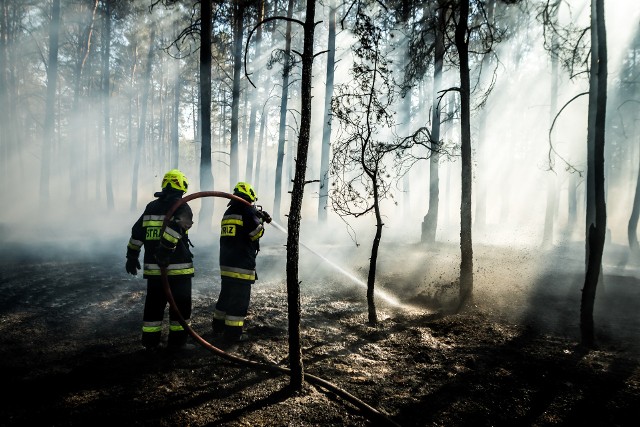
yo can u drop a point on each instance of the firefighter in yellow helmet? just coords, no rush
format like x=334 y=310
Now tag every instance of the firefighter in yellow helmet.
x=169 y=250
x=242 y=227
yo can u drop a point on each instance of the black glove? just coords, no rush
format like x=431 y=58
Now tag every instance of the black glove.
x=265 y=216
x=162 y=256
x=132 y=266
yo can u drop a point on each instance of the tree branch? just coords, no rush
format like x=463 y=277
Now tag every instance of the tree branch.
x=264 y=21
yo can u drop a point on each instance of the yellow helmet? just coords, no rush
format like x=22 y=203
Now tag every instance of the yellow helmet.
x=245 y=190
x=175 y=179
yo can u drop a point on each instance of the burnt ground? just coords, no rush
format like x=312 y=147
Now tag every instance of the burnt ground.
x=70 y=354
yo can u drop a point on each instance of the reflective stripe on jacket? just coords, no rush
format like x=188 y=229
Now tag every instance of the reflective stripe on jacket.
x=146 y=233
x=240 y=230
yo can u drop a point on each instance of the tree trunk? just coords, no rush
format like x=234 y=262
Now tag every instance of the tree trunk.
x=256 y=101
x=572 y=196
x=277 y=200
x=291 y=146
x=78 y=168
x=49 y=115
x=4 y=98
x=405 y=107
x=261 y=146
x=133 y=98
x=592 y=111
x=142 y=122
x=106 y=95
x=206 y=174
x=552 y=187
x=323 y=200
x=430 y=222
x=174 y=152
x=373 y=261
x=466 y=247
x=632 y=226
x=293 y=237
x=238 y=29
x=483 y=157
x=597 y=231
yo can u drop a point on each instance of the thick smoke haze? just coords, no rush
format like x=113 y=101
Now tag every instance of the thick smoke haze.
x=510 y=139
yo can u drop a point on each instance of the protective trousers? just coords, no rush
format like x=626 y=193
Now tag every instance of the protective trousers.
x=155 y=305
x=231 y=308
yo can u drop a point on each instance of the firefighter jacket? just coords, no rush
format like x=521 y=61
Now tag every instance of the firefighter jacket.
x=241 y=228
x=146 y=232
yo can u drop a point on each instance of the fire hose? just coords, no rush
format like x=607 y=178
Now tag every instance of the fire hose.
x=370 y=412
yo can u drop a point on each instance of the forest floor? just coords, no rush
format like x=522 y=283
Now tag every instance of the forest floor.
x=70 y=352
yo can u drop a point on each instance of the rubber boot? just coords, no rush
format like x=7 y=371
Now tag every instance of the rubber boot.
x=233 y=334
x=218 y=326
x=151 y=341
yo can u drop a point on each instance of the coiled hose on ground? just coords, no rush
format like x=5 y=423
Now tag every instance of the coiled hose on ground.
x=370 y=413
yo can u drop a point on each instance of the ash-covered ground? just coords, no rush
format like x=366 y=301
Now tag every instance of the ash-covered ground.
x=70 y=353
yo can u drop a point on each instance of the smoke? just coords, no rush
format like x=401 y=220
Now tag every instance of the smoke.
x=510 y=140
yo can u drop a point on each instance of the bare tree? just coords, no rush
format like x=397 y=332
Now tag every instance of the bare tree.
x=363 y=112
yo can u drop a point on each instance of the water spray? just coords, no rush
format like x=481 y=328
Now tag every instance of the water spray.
x=385 y=296
x=374 y=415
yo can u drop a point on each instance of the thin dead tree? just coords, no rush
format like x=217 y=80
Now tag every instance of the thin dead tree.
x=299 y=181
x=363 y=111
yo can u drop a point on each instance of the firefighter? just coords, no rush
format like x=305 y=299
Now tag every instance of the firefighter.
x=242 y=227
x=169 y=250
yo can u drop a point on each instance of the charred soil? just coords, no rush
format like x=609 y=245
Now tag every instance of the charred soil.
x=70 y=352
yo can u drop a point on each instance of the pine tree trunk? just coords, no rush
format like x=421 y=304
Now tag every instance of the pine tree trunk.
x=5 y=140
x=293 y=237
x=49 y=116
x=142 y=122
x=261 y=147
x=78 y=167
x=106 y=94
x=238 y=29
x=430 y=222
x=466 y=247
x=483 y=154
x=174 y=152
x=632 y=226
x=206 y=174
x=552 y=187
x=277 y=200
x=592 y=109
x=255 y=103
x=597 y=229
x=323 y=199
